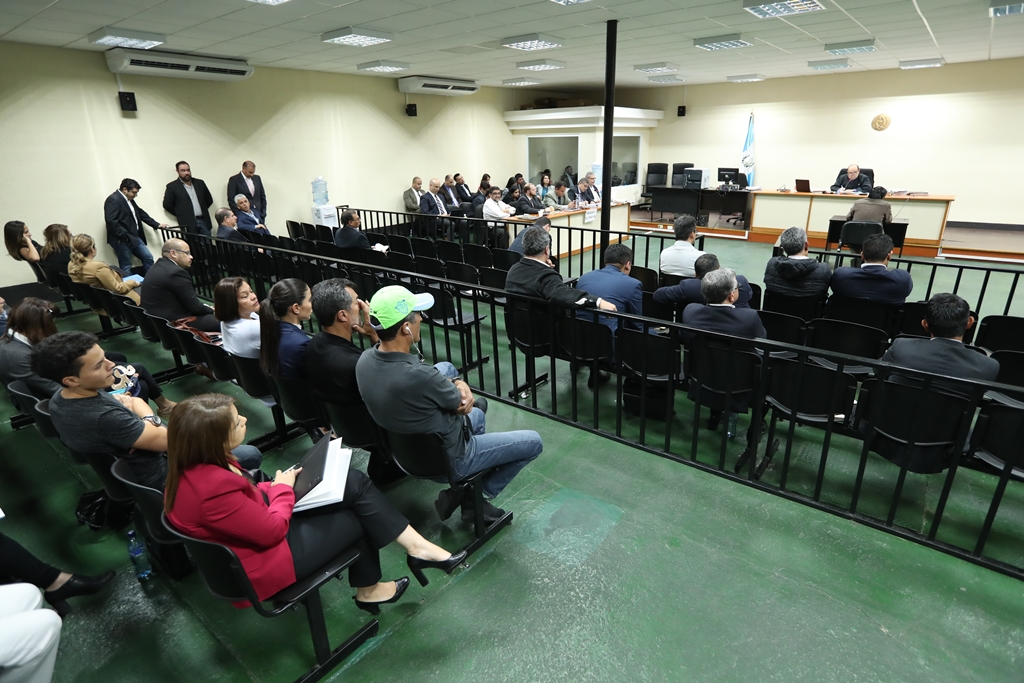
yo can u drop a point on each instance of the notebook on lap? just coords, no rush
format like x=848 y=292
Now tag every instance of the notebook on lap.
x=323 y=476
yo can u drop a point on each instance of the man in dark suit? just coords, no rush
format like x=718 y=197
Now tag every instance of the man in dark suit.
x=581 y=194
x=168 y=291
x=450 y=195
x=249 y=184
x=227 y=226
x=462 y=189
x=688 y=291
x=852 y=182
x=873 y=280
x=431 y=204
x=529 y=203
x=613 y=284
x=124 y=233
x=946 y=319
x=189 y=200
x=348 y=236
x=721 y=289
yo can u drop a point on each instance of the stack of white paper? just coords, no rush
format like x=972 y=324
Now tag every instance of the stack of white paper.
x=332 y=488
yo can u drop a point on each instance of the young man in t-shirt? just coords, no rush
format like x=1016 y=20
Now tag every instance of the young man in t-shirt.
x=90 y=420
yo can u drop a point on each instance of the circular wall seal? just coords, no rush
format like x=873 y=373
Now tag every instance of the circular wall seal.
x=881 y=122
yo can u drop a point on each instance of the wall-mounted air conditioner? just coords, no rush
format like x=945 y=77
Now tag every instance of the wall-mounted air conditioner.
x=153 y=63
x=424 y=85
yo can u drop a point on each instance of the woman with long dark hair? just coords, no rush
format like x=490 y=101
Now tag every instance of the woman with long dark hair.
x=236 y=307
x=282 y=341
x=56 y=252
x=20 y=244
x=209 y=497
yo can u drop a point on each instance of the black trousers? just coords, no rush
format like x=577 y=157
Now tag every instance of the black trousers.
x=18 y=565
x=365 y=519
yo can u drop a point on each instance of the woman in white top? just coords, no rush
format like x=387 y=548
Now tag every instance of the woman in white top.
x=236 y=307
x=495 y=209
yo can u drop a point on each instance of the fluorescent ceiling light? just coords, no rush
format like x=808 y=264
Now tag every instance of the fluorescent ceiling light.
x=382 y=66
x=830 y=64
x=657 y=68
x=540 y=65
x=670 y=78
x=355 y=37
x=569 y=2
x=531 y=41
x=783 y=8
x=998 y=9
x=522 y=80
x=269 y=2
x=733 y=40
x=851 y=47
x=746 y=78
x=922 y=63
x=120 y=37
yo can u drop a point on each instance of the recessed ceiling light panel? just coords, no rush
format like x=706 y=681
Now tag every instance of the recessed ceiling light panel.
x=669 y=78
x=657 y=68
x=729 y=42
x=119 y=37
x=746 y=78
x=531 y=41
x=922 y=63
x=783 y=8
x=382 y=66
x=998 y=9
x=850 y=48
x=830 y=64
x=356 y=37
x=522 y=80
x=540 y=65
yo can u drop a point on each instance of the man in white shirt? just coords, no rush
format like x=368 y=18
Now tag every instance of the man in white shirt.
x=679 y=258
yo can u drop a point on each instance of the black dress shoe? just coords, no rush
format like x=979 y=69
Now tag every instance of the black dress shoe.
x=491 y=514
x=602 y=378
x=714 y=419
x=447 y=501
x=374 y=607
x=75 y=586
x=417 y=565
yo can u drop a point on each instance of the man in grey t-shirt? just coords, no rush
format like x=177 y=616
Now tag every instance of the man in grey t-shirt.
x=409 y=397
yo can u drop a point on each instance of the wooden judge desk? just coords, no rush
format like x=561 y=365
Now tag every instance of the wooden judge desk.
x=565 y=241
x=773 y=212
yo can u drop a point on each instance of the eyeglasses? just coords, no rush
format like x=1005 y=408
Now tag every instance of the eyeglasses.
x=186 y=253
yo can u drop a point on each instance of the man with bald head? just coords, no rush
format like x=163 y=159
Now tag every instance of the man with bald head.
x=432 y=204
x=168 y=291
x=249 y=184
x=411 y=197
x=852 y=182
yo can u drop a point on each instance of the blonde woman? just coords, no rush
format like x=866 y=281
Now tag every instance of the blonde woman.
x=86 y=269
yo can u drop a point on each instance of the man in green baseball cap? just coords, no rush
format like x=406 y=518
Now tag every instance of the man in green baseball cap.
x=407 y=396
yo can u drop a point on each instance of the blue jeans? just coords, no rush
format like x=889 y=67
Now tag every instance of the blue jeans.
x=506 y=452
x=447 y=369
x=249 y=457
x=124 y=251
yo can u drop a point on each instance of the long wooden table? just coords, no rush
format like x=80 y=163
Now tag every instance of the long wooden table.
x=566 y=242
x=773 y=212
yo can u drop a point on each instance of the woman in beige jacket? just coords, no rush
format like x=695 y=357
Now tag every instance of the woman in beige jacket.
x=84 y=268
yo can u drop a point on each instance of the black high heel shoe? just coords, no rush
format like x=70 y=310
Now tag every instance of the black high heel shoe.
x=374 y=607
x=75 y=586
x=417 y=565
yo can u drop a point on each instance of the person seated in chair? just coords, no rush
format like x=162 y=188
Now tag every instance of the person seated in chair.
x=533 y=275
x=249 y=219
x=83 y=267
x=407 y=396
x=796 y=273
x=679 y=258
x=348 y=236
x=432 y=204
x=529 y=203
x=210 y=497
x=282 y=339
x=168 y=291
x=873 y=209
x=411 y=197
x=613 y=284
x=947 y=317
x=558 y=198
x=237 y=309
x=873 y=280
x=90 y=420
x=689 y=291
x=721 y=289
x=852 y=182
x=227 y=226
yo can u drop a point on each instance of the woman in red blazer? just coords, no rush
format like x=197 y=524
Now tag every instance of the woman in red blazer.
x=209 y=497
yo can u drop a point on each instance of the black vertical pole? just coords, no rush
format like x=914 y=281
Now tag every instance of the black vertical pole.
x=609 y=133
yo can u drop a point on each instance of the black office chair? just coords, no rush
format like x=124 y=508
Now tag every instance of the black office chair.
x=839 y=336
x=423 y=247
x=22 y=398
x=679 y=174
x=399 y=243
x=324 y=233
x=586 y=343
x=534 y=332
x=142 y=321
x=294 y=229
x=449 y=251
x=188 y=345
x=215 y=357
x=660 y=311
x=652 y=367
x=308 y=232
x=648 y=278
x=504 y=259
x=803 y=307
x=657 y=176
x=1011 y=367
x=908 y=319
x=477 y=255
x=43 y=421
x=298 y=400
x=1001 y=333
x=256 y=384
x=787 y=329
x=997 y=440
x=854 y=233
x=225 y=578
x=629 y=173
x=755 y=296
x=670 y=280
x=862 y=311
x=462 y=272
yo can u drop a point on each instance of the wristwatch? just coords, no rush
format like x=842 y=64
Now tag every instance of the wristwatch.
x=154 y=420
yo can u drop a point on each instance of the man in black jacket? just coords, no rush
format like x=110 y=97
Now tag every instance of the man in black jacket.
x=348 y=236
x=124 y=232
x=249 y=184
x=689 y=292
x=227 y=226
x=532 y=276
x=529 y=203
x=465 y=194
x=168 y=291
x=852 y=182
x=796 y=273
x=189 y=200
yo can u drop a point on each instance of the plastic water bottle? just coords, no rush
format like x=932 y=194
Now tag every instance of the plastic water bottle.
x=320 y=191
x=731 y=431
x=137 y=551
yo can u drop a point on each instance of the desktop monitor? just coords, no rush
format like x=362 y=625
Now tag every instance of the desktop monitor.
x=728 y=175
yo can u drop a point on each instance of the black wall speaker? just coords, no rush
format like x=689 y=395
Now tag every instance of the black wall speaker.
x=681 y=110
x=410 y=110
x=127 y=100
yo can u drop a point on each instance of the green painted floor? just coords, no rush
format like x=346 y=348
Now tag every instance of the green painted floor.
x=620 y=565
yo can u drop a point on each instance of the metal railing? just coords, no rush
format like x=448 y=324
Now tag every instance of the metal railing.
x=835 y=454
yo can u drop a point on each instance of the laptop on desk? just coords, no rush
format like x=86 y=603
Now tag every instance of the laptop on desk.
x=803 y=185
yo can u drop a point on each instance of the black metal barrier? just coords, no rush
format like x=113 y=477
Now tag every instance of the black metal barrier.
x=855 y=439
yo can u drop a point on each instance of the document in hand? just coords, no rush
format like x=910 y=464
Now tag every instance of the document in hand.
x=323 y=476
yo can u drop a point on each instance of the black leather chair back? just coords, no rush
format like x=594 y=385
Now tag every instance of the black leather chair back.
x=1001 y=333
x=679 y=175
x=657 y=175
x=504 y=259
x=648 y=278
x=804 y=307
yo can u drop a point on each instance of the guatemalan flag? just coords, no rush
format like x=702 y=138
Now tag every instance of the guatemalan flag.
x=747 y=161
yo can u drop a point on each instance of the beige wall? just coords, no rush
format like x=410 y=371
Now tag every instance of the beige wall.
x=955 y=130
x=65 y=143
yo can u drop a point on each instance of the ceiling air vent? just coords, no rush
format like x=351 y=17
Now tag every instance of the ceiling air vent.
x=152 y=63
x=436 y=86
